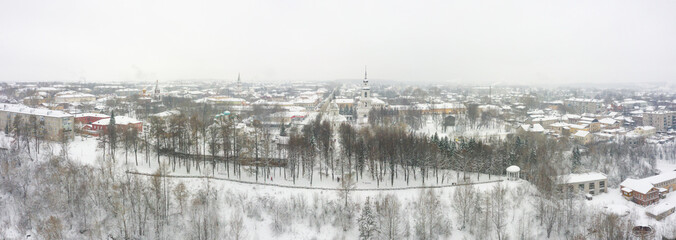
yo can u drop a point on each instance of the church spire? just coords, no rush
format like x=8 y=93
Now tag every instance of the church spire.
x=239 y=83
x=366 y=90
x=157 y=86
x=366 y=80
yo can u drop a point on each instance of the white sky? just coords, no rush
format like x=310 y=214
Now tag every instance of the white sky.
x=433 y=41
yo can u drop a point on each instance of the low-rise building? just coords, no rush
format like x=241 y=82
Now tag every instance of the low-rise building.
x=666 y=181
x=74 y=97
x=583 y=137
x=639 y=191
x=609 y=123
x=660 y=211
x=224 y=100
x=122 y=123
x=88 y=118
x=581 y=105
x=645 y=131
x=587 y=183
x=527 y=128
x=53 y=123
x=345 y=102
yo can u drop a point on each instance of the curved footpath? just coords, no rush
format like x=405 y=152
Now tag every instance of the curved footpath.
x=311 y=188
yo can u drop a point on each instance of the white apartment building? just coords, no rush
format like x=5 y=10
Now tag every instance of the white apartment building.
x=661 y=120
x=53 y=122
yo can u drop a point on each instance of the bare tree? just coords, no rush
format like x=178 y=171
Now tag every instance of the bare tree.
x=464 y=201
x=346 y=186
x=181 y=194
x=499 y=214
x=389 y=217
x=430 y=223
x=236 y=225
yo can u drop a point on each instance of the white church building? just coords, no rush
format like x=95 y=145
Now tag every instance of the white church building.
x=366 y=101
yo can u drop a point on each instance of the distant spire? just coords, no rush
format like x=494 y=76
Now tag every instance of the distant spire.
x=365 y=73
x=366 y=80
x=239 y=83
x=157 y=84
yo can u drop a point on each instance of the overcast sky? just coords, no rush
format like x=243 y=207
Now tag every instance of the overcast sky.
x=433 y=41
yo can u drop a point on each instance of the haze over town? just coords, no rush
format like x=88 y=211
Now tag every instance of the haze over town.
x=457 y=42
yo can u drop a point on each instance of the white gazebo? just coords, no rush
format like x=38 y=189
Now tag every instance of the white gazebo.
x=513 y=173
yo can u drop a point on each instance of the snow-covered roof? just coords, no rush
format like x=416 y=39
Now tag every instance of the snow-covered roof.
x=91 y=115
x=537 y=128
x=608 y=121
x=534 y=128
x=578 y=126
x=546 y=118
x=604 y=135
x=583 y=177
x=76 y=95
x=660 y=208
x=377 y=101
x=225 y=99
x=344 y=101
x=166 y=114
x=17 y=108
x=453 y=105
x=119 y=120
x=489 y=107
x=536 y=112
x=572 y=116
x=584 y=100
x=645 y=128
x=294 y=108
x=581 y=133
x=617 y=209
x=336 y=118
x=638 y=185
x=661 y=178
x=48 y=89
x=513 y=168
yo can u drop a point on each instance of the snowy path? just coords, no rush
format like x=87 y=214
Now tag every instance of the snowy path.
x=316 y=188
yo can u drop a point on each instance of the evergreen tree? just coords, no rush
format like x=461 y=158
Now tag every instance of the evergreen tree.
x=282 y=132
x=367 y=222
x=576 y=158
x=112 y=134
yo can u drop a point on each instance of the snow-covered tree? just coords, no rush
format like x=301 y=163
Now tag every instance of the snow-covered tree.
x=464 y=199
x=430 y=223
x=389 y=217
x=367 y=222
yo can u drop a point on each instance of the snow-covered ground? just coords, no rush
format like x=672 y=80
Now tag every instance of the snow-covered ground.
x=258 y=202
x=495 y=128
x=612 y=201
x=85 y=150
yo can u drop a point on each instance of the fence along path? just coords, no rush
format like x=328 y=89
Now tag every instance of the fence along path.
x=312 y=188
